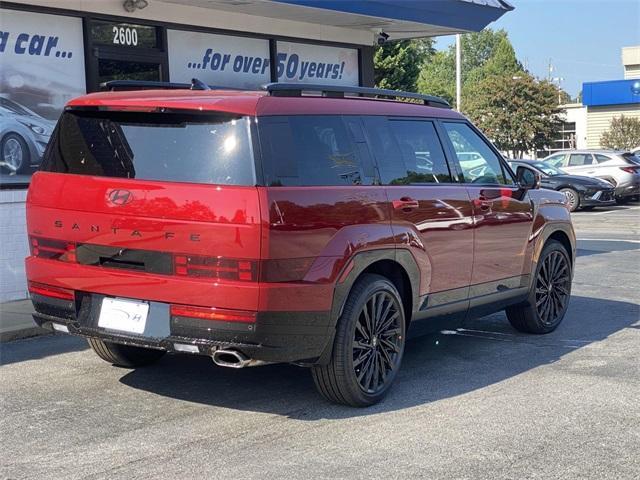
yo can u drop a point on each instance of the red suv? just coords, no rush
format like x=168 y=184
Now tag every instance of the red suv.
x=307 y=224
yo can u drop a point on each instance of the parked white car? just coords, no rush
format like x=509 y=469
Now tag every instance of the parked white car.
x=618 y=168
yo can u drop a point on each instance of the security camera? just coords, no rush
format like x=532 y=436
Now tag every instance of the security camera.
x=381 y=38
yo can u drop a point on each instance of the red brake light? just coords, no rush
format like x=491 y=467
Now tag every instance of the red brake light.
x=215 y=267
x=53 y=249
x=212 y=313
x=51 y=291
x=629 y=169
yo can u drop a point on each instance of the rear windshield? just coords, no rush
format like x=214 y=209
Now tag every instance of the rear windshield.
x=153 y=146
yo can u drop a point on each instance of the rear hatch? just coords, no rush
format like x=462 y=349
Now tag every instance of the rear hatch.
x=148 y=205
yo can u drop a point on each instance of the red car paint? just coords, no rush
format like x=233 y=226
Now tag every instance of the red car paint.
x=291 y=250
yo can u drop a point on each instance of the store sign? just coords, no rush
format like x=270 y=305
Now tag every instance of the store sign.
x=244 y=62
x=120 y=34
x=219 y=60
x=305 y=63
x=41 y=68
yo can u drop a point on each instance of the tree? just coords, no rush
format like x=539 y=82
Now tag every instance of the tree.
x=397 y=64
x=517 y=112
x=623 y=134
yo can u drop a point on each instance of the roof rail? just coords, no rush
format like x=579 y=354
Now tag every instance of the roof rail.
x=117 y=85
x=296 y=89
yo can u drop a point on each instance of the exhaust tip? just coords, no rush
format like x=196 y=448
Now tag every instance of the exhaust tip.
x=230 y=359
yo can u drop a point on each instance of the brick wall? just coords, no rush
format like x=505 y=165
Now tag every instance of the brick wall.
x=13 y=245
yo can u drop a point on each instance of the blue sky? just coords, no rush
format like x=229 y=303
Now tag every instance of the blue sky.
x=582 y=38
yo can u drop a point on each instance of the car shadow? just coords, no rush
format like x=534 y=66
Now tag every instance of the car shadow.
x=438 y=366
x=35 y=348
x=597 y=247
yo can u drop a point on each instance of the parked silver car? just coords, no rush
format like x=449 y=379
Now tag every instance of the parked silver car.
x=23 y=136
x=619 y=168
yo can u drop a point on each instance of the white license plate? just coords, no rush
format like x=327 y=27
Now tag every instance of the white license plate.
x=123 y=315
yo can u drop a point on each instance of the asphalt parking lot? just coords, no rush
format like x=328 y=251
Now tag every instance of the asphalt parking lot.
x=485 y=402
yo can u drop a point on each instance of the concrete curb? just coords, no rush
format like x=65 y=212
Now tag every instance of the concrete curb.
x=16 y=321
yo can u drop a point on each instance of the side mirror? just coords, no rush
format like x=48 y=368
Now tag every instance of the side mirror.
x=528 y=179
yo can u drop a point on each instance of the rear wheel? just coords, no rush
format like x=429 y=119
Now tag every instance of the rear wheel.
x=368 y=346
x=549 y=295
x=573 y=199
x=124 y=355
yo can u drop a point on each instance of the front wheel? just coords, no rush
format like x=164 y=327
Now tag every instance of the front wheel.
x=549 y=295
x=15 y=153
x=368 y=346
x=573 y=199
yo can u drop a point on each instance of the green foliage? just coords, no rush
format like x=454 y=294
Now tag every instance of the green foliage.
x=623 y=134
x=517 y=112
x=397 y=64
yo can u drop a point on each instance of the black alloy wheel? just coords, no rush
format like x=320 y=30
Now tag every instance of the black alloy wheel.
x=368 y=345
x=552 y=287
x=377 y=341
x=548 y=298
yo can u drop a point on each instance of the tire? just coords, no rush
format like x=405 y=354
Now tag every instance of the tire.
x=573 y=198
x=363 y=366
x=14 y=153
x=622 y=200
x=124 y=355
x=537 y=315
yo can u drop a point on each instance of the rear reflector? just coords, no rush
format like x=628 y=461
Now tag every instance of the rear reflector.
x=60 y=328
x=212 y=313
x=185 y=347
x=51 y=291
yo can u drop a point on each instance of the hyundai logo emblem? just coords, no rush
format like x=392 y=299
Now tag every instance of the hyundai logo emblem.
x=120 y=197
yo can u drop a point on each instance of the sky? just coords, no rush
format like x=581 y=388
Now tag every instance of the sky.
x=582 y=38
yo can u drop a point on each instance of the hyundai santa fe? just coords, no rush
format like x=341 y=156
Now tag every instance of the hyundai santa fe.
x=312 y=225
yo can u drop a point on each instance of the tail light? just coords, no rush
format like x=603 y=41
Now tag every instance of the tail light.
x=51 y=291
x=629 y=169
x=212 y=313
x=53 y=249
x=216 y=267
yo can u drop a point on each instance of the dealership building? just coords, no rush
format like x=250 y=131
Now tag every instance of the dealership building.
x=54 y=50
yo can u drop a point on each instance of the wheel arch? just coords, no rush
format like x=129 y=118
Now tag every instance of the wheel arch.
x=398 y=265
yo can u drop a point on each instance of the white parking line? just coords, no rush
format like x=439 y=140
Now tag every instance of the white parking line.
x=609 y=212
x=607 y=240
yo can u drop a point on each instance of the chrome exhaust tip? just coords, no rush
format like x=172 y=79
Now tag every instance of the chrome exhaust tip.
x=234 y=359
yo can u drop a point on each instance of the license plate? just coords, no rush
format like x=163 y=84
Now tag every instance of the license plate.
x=123 y=315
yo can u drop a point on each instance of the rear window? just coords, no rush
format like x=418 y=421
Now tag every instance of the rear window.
x=153 y=146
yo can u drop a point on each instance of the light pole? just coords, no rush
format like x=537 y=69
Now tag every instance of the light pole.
x=458 y=74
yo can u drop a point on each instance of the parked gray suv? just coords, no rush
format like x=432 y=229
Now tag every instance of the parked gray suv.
x=618 y=168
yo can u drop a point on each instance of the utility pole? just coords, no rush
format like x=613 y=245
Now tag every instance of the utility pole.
x=458 y=74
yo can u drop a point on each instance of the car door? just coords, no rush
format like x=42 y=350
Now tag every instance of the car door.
x=431 y=212
x=503 y=215
x=580 y=164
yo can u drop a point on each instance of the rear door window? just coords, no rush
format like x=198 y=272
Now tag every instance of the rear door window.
x=311 y=150
x=580 y=159
x=153 y=146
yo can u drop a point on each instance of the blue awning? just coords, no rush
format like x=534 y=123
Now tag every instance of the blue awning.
x=405 y=18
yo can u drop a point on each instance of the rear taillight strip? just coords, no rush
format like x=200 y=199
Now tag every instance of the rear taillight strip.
x=216 y=267
x=51 y=291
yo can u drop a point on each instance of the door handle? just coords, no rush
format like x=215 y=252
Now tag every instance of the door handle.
x=405 y=203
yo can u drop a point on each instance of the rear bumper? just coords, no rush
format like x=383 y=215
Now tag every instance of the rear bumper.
x=275 y=336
